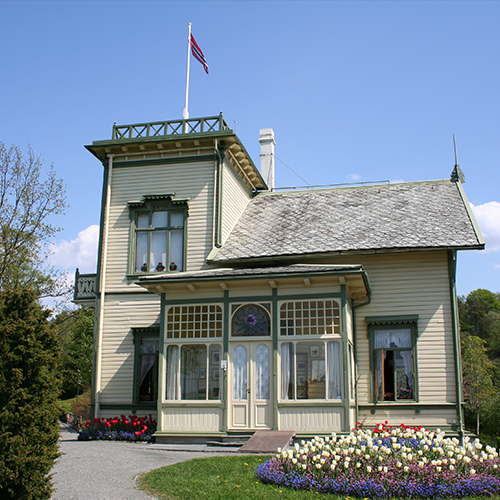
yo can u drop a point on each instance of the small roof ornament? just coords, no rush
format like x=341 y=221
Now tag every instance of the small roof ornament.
x=456 y=173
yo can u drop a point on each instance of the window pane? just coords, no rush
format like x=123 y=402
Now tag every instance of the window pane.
x=177 y=218
x=176 y=248
x=193 y=372
x=287 y=371
x=160 y=219
x=142 y=221
x=404 y=377
x=172 y=372
x=311 y=375
x=334 y=360
x=240 y=372
x=262 y=372
x=141 y=253
x=214 y=372
x=158 y=256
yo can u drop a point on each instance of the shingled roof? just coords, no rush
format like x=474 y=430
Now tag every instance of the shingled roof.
x=420 y=215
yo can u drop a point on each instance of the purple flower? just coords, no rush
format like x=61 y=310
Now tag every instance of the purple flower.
x=251 y=320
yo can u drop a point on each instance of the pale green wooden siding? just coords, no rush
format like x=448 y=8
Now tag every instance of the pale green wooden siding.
x=407 y=284
x=234 y=199
x=121 y=314
x=193 y=180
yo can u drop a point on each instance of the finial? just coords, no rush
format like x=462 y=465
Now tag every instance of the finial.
x=456 y=174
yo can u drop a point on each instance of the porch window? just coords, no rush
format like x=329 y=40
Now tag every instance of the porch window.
x=158 y=225
x=311 y=370
x=193 y=372
x=310 y=317
x=393 y=345
x=251 y=320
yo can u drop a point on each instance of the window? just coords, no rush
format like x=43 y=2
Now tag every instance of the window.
x=193 y=372
x=158 y=226
x=311 y=370
x=315 y=317
x=146 y=342
x=194 y=321
x=251 y=320
x=393 y=346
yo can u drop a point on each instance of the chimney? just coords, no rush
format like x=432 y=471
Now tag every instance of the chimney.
x=267 y=156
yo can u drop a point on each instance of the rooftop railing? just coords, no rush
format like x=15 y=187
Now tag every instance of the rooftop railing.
x=170 y=128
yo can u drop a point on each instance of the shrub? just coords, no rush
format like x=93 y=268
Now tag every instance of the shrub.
x=403 y=462
x=131 y=428
x=29 y=387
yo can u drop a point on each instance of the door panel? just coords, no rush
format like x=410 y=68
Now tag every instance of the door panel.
x=250 y=385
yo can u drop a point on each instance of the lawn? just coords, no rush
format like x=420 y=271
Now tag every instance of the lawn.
x=222 y=478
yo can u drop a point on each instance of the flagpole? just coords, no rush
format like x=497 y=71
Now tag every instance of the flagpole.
x=185 y=113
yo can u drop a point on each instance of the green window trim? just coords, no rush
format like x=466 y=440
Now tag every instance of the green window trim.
x=156 y=236
x=390 y=365
x=142 y=335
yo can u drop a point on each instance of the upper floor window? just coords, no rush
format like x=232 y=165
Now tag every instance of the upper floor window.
x=159 y=234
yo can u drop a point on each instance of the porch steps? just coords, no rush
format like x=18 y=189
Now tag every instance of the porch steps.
x=268 y=442
x=231 y=440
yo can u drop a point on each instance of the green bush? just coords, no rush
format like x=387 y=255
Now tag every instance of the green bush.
x=29 y=387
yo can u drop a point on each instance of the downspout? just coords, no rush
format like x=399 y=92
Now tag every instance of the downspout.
x=98 y=346
x=452 y=269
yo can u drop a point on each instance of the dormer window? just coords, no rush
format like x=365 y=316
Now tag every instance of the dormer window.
x=158 y=228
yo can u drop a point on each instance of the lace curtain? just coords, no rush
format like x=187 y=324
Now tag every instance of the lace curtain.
x=240 y=372
x=172 y=372
x=262 y=372
x=334 y=363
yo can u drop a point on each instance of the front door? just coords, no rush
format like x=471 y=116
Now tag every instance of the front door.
x=250 y=385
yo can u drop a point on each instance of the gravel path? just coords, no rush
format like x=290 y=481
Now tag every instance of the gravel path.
x=105 y=470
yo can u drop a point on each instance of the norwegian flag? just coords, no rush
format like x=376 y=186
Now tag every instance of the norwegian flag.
x=198 y=54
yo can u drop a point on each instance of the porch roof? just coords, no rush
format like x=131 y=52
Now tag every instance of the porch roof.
x=354 y=276
x=394 y=217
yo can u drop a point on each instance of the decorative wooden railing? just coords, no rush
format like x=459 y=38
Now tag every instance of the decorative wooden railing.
x=84 y=286
x=170 y=128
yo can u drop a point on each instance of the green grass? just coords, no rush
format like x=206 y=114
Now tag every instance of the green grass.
x=216 y=478
x=223 y=478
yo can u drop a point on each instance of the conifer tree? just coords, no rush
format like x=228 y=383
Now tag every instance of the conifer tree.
x=29 y=387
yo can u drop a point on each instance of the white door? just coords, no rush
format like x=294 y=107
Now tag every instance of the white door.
x=250 y=385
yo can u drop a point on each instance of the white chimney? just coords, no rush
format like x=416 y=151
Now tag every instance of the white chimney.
x=267 y=156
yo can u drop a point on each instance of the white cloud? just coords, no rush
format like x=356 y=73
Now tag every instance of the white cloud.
x=79 y=253
x=353 y=177
x=488 y=218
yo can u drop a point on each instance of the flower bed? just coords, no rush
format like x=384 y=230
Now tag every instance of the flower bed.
x=131 y=428
x=403 y=462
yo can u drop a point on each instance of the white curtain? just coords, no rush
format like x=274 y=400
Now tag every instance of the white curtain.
x=286 y=354
x=408 y=370
x=262 y=367
x=334 y=361
x=240 y=372
x=172 y=372
x=387 y=339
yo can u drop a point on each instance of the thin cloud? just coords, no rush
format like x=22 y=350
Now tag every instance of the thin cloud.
x=79 y=253
x=353 y=177
x=488 y=218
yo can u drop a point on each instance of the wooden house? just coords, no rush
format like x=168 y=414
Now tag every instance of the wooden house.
x=226 y=306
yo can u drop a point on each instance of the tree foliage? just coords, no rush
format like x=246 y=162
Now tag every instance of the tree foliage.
x=480 y=330
x=29 y=387
x=27 y=203
x=75 y=329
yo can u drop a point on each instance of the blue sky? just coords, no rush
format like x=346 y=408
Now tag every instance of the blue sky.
x=356 y=90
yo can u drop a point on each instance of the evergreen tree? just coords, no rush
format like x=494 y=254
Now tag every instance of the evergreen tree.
x=29 y=387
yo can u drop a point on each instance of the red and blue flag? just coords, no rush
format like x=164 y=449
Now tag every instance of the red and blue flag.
x=198 y=54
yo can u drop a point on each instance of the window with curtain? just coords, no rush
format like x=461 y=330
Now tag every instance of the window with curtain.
x=158 y=225
x=311 y=370
x=393 y=345
x=193 y=372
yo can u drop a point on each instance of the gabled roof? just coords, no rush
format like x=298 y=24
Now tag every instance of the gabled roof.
x=410 y=216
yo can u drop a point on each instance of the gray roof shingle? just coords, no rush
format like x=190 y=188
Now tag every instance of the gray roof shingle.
x=420 y=215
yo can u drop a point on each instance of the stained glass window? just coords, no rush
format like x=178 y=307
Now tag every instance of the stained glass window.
x=251 y=320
